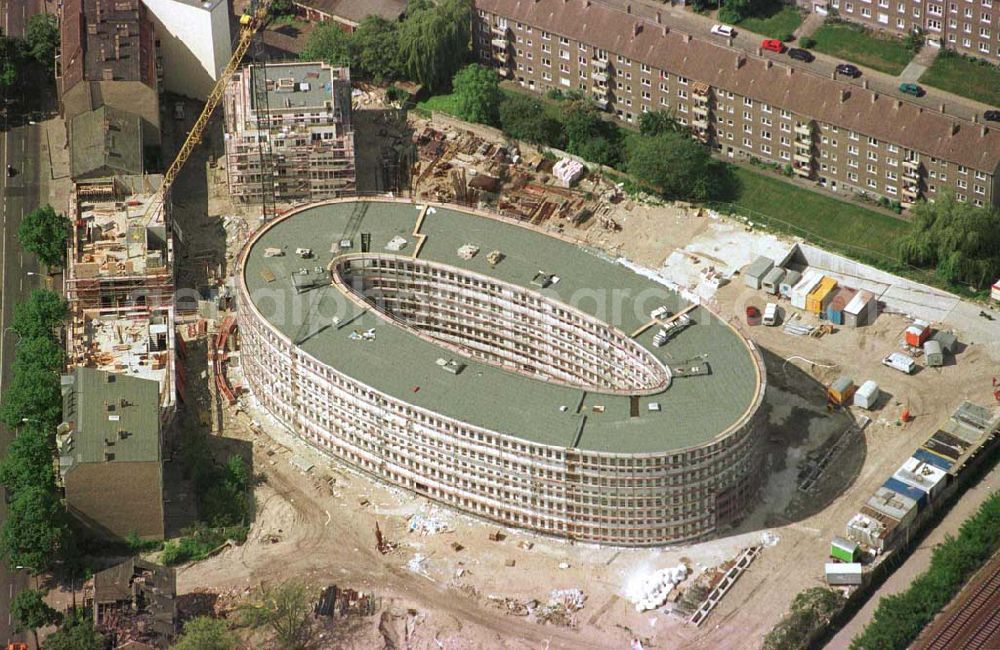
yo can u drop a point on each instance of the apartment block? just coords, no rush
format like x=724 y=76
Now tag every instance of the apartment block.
x=968 y=26
x=844 y=137
x=293 y=134
x=120 y=283
x=110 y=448
x=108 y=57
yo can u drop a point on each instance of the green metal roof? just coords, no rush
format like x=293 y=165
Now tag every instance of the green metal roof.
x=103 y=406
x=105 y=142
x=693 y=410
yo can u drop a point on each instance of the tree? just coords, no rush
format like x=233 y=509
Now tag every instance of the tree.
x=733 y=11
x=523 y=118
x=35 y=530
x=33 y=394
x=375 y=50
x=281 y=8
x=590 y=136
x=28 y=462
x=31 y=612
x=205 y=633
x=959 y=239
x=40 y=314
x=76 y=633
x=41 y=36
x=658 y=122
x=811 y=610
x=10 y=61
x=40 y=352
x=434 y=41
x=284 y=610
x=477 y=95
x=43 y=232
x=328 y=42
x=675 y=166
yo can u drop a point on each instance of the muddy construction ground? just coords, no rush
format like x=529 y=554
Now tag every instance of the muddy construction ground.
x=315 y=519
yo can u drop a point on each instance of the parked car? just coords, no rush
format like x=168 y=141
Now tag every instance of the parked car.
x=799 y=54
x=753 y=315
x=901 y=362
x=723 y=30
x=848 y=70
x=771 y=314
x=773 y=44
x=911 y=89
x=992 y=116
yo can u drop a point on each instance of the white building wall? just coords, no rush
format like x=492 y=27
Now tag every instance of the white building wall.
x=195 y=43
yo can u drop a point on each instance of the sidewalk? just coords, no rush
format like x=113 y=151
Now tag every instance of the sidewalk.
x=919 y=64
x=57 y=183
x=809 y=26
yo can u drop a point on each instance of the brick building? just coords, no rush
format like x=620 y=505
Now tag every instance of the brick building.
x=968 y=26
x=303 y=134
x=844 y=137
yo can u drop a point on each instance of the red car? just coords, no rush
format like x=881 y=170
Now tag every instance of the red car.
x=753 y=315
x=773 y=44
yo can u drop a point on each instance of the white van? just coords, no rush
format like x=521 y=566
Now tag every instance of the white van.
x=771 y=314
x=900 y=362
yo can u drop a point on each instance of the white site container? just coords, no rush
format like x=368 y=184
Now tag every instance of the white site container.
x=867 y=395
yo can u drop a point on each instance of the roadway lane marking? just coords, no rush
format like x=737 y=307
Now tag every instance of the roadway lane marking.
x=3 y=254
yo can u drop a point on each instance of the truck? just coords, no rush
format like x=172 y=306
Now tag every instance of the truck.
x=771 y=314
x=900 y=362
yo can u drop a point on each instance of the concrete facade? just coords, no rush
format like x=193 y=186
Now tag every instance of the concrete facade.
x=194 y=41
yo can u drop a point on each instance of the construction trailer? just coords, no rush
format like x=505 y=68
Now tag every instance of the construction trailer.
x=947 y=340
x=867 y=395
x=754 y=275
x=917 y=333
x=840 y=574
x=841 y=391
x=835 y=310
x=861 y=310
x=933 y=353
x=844 y=550
x=771 y=282
x=787 y=283
x=818 y=299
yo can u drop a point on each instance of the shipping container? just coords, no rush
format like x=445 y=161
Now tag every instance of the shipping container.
x=867 y=396
x=892 y=505
x=843 y=573
x=788 y=283
x=917 y=333
x=903 y=489
x=771 y=282
x=805 y=286
x=844 y=550
x=931 y=458
x=754 y=274
x=841 y=391
x=861 y=310
x=945 y=444
x=933 y=354
x=839 y=302
x=820 y=296
x=889 y=526
x=924 y=476
x=995 y=291
x=948 y=341
x=866 y=530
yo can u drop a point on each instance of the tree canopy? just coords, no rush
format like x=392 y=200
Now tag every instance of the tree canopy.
x=590 y=136
x=76 y=633
x=477 y=94
x=40 y=314
x=658 y=123
x=40 y=352
x=960 y=240
x=205 y=633
x=284 y=610
x=41 y=36
x=31 y=612
x=33 y=394
x=43 y=232
x=28 y=462
x=676 y=167
x=434 y=41
x=10 y=61
x=328 y=42
x=36 y=530
x=524 y=118
x=811 y=610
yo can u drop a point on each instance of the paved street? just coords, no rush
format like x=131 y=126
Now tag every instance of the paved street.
x=20 y=147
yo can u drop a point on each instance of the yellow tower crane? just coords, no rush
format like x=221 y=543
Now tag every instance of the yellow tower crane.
x=250 y=23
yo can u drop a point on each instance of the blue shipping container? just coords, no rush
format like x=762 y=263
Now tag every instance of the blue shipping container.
x=931 y=458
x=899 y=487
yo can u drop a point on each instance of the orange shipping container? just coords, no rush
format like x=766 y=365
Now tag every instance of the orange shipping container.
x=917 y=333
x=819 y=297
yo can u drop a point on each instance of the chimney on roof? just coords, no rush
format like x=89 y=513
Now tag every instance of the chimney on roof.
x=104 y=55
x=628 y=8
x=686 y=38
x=666 y=30
x=845 y=94
x=741 y=61
x=767 y=64
x=636 y=29
x=983 y=131
x=788 y=71
x=975 y=118
x=955 y=126
x=864 y=84
x=759 y=52
x=942 y=107
x=874 y=97
x=659 y=17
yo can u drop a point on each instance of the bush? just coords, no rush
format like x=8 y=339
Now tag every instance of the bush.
x=811 y=610
x=524 y=118
x=786 y=37
x=807 y=42
x=477 y=95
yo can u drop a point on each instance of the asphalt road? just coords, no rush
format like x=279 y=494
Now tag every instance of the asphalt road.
x=21 y=147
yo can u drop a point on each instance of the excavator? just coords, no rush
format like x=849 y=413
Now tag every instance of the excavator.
x=250 y=23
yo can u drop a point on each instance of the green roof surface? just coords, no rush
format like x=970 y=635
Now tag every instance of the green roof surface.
x=693 y=410
x=107 y=142
x=101 y=408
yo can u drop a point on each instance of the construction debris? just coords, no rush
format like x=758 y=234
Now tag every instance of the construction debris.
x=339 y=603
x=654 y=589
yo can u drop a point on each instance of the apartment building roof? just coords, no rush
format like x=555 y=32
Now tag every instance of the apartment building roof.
x=357 y=10
x=613 y=28
x=105 y=40
x=407 y=367
x=105 y=142
x=298 y=86
x=103 y=407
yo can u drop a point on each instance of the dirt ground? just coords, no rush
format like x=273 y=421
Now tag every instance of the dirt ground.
x=319 y=525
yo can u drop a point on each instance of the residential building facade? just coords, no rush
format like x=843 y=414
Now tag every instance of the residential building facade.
x=110 y=448
x=194 y=39
x=300 y=135
x=844 y=137
x=970 y=27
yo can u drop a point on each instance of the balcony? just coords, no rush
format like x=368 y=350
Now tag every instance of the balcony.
x=501 y=56
x=700 y=89
x=911 y=192
x=803 y=129
x=499 y=31
x=700 y=124
x=803 y=158
x=499 y=43
x=911 y=177
x=599 y=77
x=600 y=64
x=911 y=164
x=600 y=102
x=805 y=171
x=700 y=109
x=503 y=72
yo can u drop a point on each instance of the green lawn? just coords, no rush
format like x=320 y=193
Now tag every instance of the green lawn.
x=966 y=77
x=822 y=219
x=440 y=103
x=777 y=23
x=853 y=43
